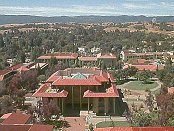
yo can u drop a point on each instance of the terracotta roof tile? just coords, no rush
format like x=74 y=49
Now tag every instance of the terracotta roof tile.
x=37 y=127
x=5 y=116
x=59 y=55
x=111 y=92
x=8 y=70
x=23 y=68
x=41 y=92
x=26 y=127
x=75 y=82
x=106 y=56
x=14 y=127
x=53 y=78
x=17 y=118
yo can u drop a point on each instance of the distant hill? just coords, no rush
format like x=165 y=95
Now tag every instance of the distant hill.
x=19 y=19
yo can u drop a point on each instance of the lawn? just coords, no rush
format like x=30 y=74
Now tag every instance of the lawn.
x=112 y=124
x=138 y=85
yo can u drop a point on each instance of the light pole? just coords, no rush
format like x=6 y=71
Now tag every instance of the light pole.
x=105 y=117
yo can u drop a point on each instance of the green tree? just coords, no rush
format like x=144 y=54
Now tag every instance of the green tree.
x=144 y=76
x=141 y=119
x=1 y=41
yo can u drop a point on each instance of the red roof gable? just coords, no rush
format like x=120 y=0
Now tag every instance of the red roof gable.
x=41 y=92
x=53 y=78
x=5 y=116
x=110 y=92
x=17 y=118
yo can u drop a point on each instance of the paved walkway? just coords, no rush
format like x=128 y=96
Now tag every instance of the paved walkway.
x=75 y=124
x=96 y=120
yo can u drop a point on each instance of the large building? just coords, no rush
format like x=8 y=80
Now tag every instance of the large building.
x=78 y=89
x=128 y=54
x=73 y=59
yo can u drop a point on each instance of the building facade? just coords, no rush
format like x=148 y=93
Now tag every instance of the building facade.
x=88 y=89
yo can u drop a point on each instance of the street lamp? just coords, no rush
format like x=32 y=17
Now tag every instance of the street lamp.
x=105 y=117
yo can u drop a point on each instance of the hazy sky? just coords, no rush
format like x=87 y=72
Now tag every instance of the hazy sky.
x=86 y=7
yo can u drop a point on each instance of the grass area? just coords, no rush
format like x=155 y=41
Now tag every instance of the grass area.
x=112 y=124
x=138 y=85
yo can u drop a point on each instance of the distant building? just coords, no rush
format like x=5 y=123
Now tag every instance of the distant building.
x=126 y=55
x=65 y=57
x=82 y=49
x=145 y=67
x=107 y=59
x=95 y=50
x=78 y=89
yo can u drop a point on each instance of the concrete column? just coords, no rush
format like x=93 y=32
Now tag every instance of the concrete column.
x=59 y=102
x=95 y=105
x=114 y=105
x=72 y=97
x=88 y=105
x=80 y=97
x=106 y=104
x=62 y=105
x=97 y=88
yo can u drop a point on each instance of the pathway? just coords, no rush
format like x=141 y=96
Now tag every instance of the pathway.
x=76 y=124
x=95 y=120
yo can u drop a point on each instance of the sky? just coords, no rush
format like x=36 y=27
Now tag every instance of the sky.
x=87 y=7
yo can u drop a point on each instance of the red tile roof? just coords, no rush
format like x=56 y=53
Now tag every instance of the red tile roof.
x=110 y=92
x=23 y=68
x=87 y=58
x=59 y=55
x=9 y=70
x=171 y=90
x=14 y=127
x=106 y=56
x=110 y=77
x=76 y=82
x=17 y=118
x=5 y=116
x=135 y=129
x=15 y=67
x=37 y=127
x=53 y=78
x=26 y=127
x=41 y=92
